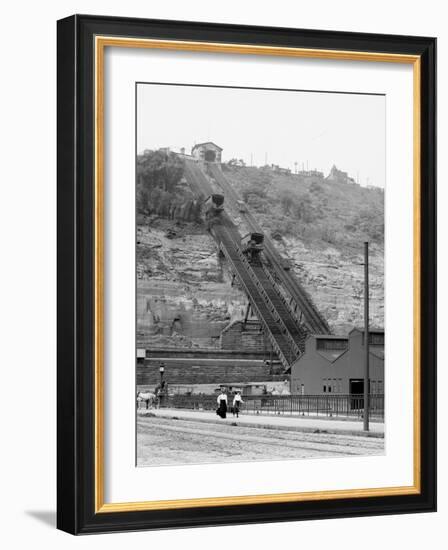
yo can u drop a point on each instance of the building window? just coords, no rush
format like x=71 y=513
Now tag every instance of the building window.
x=375 y=338
x=332 y=344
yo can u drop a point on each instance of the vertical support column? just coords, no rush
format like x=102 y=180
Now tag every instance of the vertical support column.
x=366 y=337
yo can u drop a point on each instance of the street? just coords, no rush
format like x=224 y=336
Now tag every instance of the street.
x=164 y=441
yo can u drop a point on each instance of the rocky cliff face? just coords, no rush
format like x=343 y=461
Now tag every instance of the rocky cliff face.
x=335 y=281
x=184 y=293
x=320 y=224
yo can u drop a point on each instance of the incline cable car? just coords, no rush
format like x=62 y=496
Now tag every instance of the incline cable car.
x=214 y=205
x=252 y=245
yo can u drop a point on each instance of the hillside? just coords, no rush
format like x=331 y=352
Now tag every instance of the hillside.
x=320 y=224
x=315 y=209
x=185 y=297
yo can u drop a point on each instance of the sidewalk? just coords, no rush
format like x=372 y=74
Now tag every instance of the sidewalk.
x=292 y=423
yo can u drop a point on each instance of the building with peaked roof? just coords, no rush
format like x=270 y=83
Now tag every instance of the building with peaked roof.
x=335 y=364
x=207 y=152
x=339 y=176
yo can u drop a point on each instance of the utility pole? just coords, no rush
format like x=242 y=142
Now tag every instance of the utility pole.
x=366 y=337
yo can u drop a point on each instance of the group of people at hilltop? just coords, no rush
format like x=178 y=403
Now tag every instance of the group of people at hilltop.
x=222 y=404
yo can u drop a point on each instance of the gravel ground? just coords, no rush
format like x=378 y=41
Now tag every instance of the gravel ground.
x=170 y=441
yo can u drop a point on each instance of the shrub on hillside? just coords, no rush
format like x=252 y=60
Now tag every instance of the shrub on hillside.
x=158 y=174
x=317 y=212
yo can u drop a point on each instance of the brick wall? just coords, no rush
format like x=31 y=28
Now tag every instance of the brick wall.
x=205 y=353
x=205 y=371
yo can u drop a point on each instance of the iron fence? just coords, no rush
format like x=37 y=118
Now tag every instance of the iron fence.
x=334 y=405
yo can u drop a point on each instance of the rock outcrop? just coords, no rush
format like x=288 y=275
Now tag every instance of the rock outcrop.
x=185 y=296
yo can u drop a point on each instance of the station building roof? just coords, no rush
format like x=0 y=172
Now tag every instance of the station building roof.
x=205 y=143
x=376 y=330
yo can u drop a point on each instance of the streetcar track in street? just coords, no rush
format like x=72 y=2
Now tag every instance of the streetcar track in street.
x=287 y=435
x=299 y=445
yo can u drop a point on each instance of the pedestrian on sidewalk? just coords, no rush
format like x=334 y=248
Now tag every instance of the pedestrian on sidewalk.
x=222 y=404
x=237 y=400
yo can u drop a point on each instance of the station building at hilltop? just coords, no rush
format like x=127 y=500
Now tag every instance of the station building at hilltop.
x=207 y=152
x=335 y=364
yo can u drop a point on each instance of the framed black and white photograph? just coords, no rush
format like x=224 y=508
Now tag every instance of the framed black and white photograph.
x=251 y=274
x=246 y=267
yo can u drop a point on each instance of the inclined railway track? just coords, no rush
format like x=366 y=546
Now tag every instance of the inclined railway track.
x=311 y=316
x=285 y=333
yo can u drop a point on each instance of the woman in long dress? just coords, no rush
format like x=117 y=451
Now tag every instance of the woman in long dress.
x=237 y=400
x=222 y=404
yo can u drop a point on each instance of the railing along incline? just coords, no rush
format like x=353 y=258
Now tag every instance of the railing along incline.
x=299 y=323
x=249 y=293
x=317 y=322
x=268 y=302
x=198 y=180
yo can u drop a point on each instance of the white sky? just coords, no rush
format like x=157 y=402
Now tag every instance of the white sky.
x=315 y=129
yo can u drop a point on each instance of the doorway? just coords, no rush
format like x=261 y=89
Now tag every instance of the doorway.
x=356 y=386
x=210 y=156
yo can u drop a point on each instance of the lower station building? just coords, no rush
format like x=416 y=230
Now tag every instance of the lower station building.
x=335 y=364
